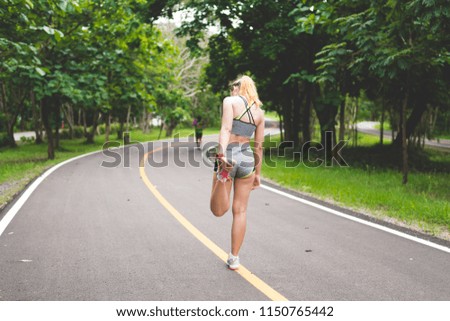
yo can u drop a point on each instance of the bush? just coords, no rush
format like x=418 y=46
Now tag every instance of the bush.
x=2 y=123
x=78 y=132
x=4 y=141
x=24 y=139
x=114 y=128
x=64 y=133
x=101 y=129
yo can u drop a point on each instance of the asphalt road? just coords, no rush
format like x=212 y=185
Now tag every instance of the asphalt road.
x=94 y=233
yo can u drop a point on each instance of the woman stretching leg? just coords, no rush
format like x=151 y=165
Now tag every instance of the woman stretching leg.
x=237 y=166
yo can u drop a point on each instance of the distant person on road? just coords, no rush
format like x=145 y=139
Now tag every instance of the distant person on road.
x=235 y=162
x=198 y=127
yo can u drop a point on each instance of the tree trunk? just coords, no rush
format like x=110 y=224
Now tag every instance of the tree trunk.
x=306 y=123
x=68 y=112
x=382 y=124
x=22 y=124
x=46 y=106
x=143 y=119
x=57 y=123
x=148 y=119
x=404 y=144
x=160 y=130
x=170 y=128
x=56 y=140
x=107 y=127
x=128 y=118
x=287 y=122
x=412 y=122
x=3 y=97
x=342 y=121
x=280 y=122
x=10 y=122
x=90 y=136
x=355 y=121
x=291 y=115
x=36 y=118
x=99 y=120
x=149 y=122
x=296 y=122
x=10 y=118
x=120 y=131
x=85 y=124
x=326 y=115
x=393 y=121
x=10 y=129
x=432 y=122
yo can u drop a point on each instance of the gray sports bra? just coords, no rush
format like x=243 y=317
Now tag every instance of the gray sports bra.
x=242 y=128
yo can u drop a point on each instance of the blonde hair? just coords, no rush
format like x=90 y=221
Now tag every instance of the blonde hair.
x=247 y=89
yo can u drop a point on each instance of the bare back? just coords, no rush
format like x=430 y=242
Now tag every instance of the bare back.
x=239 y=108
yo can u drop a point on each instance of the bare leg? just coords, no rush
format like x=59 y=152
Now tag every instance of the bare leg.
x=220 y=196
x=242 y=189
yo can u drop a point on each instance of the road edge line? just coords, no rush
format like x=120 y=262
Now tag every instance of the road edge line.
x=358 y=220
x=6 y=219
x=9 y=216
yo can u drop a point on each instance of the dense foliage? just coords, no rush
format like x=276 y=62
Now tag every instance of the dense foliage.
x=85 y=62
x=312 y=56
x=88 y=62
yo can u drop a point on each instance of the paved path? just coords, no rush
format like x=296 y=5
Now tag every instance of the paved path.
x=368 y=127
x=94 y=233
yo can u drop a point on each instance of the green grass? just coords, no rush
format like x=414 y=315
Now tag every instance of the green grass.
x=386 y=126
x=271 y=114
x=368 y=140
x=372 y=184
x=19 y=166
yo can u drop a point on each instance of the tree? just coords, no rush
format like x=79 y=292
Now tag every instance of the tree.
x=250 y=36
x=190 y=78
x=95 y=57
x=400 y=45
x=19 y=62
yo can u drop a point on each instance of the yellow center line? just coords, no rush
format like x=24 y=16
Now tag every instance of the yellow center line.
x=242 y=271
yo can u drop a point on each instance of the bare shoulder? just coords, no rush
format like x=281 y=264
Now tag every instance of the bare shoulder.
x=230 y=99
x=228 y=103
x=260 y=114
x=227 y=99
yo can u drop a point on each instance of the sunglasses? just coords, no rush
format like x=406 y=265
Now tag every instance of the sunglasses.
x=236 y=84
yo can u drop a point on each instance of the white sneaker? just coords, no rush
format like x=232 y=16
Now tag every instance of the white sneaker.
x=233 y=262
